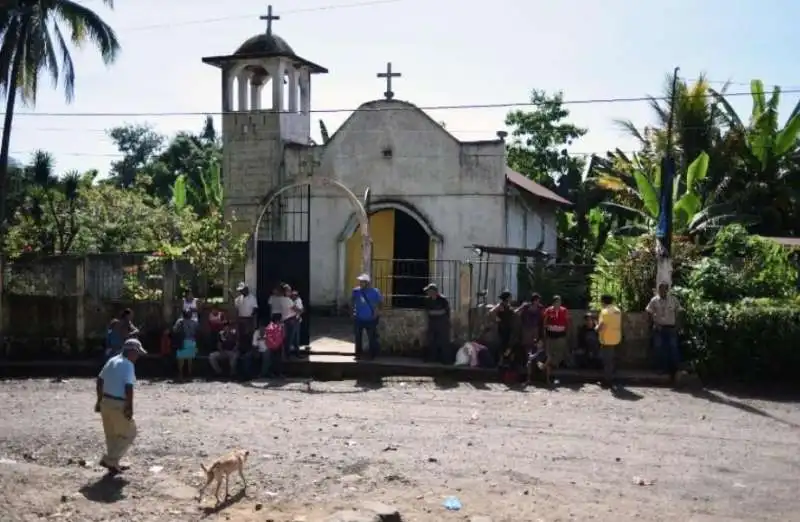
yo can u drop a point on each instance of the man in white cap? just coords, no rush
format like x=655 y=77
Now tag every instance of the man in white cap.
x=367 y=301
x=115 y=403
x=246 y=306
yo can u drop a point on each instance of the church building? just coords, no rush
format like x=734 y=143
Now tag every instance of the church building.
x=429 y=196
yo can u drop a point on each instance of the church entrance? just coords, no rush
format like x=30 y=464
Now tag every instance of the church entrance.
x=401 y=257
x=283 y=251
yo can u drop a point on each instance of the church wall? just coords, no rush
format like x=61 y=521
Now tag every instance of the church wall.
x=458 y=188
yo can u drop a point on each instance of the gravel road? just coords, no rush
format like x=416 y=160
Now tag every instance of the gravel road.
x=570 y=454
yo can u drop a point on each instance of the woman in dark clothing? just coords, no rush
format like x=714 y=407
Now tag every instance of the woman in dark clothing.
x=504 y=317
x=532 y=325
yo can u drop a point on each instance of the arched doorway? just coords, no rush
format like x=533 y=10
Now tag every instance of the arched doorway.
x=281 y=240
x=402 y=254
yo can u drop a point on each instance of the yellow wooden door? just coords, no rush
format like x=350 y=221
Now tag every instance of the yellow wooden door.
x=381 y=228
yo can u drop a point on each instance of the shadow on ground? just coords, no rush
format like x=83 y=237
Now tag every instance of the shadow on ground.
x=108 y=489
x=226 y=503
x=718 y=398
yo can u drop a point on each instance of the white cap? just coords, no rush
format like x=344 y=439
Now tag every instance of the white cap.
x=134 y=345
x=363 y=277
x=241 y=286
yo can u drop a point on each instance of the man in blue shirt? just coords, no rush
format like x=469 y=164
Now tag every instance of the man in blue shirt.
x=115 y=404
x=367 y=301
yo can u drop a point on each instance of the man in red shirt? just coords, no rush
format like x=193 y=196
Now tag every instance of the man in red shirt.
x=556 y=326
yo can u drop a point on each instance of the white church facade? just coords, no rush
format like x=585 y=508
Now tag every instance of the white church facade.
x=430 y=195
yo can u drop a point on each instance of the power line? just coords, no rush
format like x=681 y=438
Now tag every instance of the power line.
x=19 y=153
x=473 y=106
x=203 y=21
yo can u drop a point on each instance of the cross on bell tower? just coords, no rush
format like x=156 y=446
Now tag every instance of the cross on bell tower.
x=269 y=17
x=389 y=94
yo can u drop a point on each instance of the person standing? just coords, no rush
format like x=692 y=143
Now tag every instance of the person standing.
x=115 y=404
x=366 y=301
x=503 y=314
x=556 y=326
x=531 y=323
x=185 y=330
x=191 y=304
x=119 y=330
x=664 y=309
x=293 y=321
x=246 y=306
x=609 y=328
x=438 y=311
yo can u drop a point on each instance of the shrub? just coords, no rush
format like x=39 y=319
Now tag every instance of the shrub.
x=627 y=270
x=742 y=265
x=754 y=340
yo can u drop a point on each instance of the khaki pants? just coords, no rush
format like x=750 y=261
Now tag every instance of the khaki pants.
x=120 y=430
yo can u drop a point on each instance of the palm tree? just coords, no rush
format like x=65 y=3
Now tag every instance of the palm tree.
x=32 y=40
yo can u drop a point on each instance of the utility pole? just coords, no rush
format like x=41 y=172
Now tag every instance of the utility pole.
x=664 y=226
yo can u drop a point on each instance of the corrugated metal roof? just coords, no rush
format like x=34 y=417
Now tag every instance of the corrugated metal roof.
x=785 y=241
x=533 y=188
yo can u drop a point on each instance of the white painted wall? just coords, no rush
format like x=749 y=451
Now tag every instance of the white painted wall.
x=458 y=188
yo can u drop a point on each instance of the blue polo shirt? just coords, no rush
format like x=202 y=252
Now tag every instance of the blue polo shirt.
x=117 y=373
x=366 y=301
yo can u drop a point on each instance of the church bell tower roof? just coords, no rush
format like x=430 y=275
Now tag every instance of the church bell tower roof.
x=264 y=45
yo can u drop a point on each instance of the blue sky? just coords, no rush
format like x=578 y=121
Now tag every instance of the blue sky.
x=450 y=52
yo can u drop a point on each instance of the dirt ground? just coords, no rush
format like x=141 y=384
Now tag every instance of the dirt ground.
x=570 y=454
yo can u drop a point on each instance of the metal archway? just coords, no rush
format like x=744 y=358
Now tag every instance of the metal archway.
x=320 y=181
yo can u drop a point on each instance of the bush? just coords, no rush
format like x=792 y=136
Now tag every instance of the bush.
x=742 y=265
x=626 y=270
x=754 y=340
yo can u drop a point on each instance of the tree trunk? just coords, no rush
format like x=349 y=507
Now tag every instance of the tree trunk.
x=9 y=117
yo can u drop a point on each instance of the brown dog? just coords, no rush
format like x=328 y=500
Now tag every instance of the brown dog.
x=222 y=468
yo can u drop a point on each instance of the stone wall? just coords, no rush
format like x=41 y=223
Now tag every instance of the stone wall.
x=403 y=333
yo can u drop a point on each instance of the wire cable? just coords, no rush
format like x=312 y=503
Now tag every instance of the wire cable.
x=472 y=106
x=204 y=21
x=18 y=153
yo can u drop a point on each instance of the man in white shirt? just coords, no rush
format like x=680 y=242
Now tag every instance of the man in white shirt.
x=294 y=316
x=664 y=309
x=246 y=306
x=115 y=404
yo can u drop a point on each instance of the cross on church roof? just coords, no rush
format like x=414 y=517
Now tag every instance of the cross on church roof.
x=269 y=17
x=389 y=94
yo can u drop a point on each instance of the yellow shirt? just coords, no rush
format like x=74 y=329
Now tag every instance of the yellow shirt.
x=611 y=326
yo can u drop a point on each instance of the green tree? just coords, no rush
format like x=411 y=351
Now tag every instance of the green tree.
x=540 y=137
x=139 y=145
x=32 y=40
x=147 y=153
x=538 y=149
x=765 y=180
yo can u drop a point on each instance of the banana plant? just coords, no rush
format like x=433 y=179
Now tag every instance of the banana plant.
x=206 y=199
x=636 y=183
x=766 y=180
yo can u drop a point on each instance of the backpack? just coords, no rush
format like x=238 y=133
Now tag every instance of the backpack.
x=274 y=336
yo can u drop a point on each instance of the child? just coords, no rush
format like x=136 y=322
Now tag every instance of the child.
x=586 y=355
x=272 y=355
x=538 y=360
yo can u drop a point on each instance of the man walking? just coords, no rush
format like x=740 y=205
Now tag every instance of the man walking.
x=438 y=309
x=367 y=301
x=115 y=404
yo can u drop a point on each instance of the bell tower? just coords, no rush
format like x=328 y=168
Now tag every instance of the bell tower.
x=266 y=103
